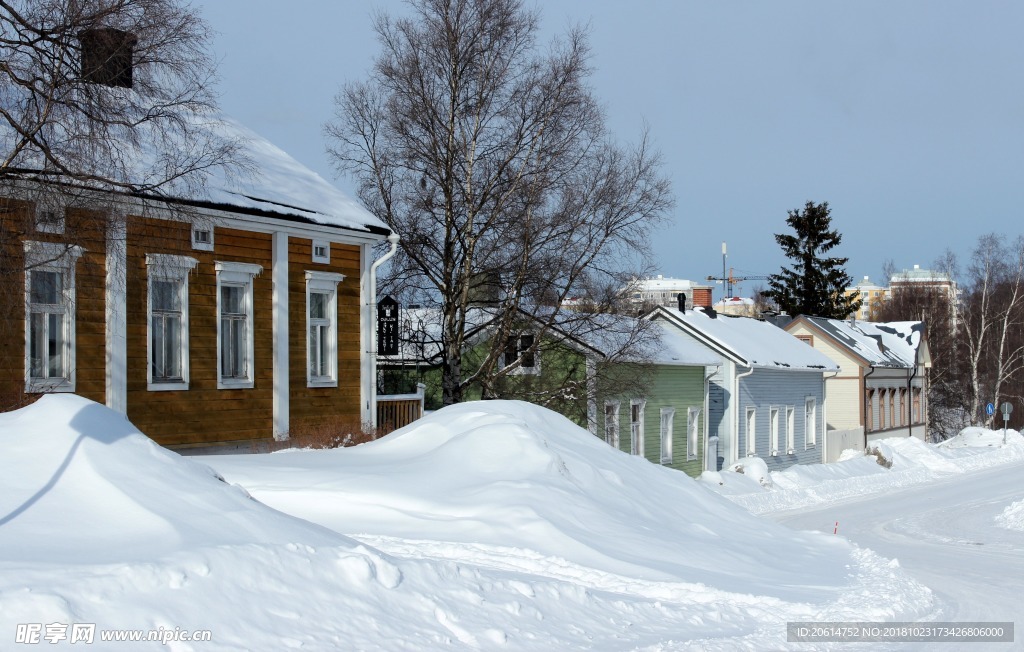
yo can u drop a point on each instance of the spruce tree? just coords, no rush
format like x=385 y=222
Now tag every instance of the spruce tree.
x=813 y=285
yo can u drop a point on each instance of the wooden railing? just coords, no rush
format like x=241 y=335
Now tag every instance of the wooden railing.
x=399 y=410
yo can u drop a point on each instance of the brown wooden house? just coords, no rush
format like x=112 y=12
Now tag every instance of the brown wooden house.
x=227 y=317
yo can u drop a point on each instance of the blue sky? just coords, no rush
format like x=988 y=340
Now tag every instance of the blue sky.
x=907 y=117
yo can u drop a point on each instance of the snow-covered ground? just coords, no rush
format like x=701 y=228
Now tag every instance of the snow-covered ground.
x=494 y=525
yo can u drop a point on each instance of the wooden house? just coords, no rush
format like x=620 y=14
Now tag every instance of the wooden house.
x=664 y=417
x=766 y=397
x=882 y=387
x=235 y=314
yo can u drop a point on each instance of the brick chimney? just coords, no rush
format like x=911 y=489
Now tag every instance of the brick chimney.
x=701 y=297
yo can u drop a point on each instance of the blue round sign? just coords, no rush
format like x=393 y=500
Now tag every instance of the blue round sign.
x=990 y=409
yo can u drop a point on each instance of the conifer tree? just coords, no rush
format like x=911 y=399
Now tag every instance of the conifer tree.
x=814 y=284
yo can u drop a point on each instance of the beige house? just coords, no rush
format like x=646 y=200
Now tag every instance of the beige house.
x=881 y=388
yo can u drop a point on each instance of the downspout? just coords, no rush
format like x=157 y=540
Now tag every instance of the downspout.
x=910 y=403
x=824 y=417
x=372 y=312
x=864 y=402
x=709 y=464
x=736 y=413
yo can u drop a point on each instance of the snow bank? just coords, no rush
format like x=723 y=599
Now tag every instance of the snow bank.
x=890 y=464
x=504 y=526
x=1012 y=518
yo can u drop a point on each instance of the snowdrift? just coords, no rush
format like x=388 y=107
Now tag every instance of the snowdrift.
x=514 y=480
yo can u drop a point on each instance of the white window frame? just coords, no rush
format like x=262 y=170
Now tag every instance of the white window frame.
x=197 y=244
x=751 y=432
x=773 y=431
x=636 y=428
x=668 y=416
x=611 y=429
x=59 y=258
x=790 y=430
x=521 y=370
x=692 y=432
x=810 y=424
x=325 y=258
x=323 y=283
x=239 y=275
x=168 y=267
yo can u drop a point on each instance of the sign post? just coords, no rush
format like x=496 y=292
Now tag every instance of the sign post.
x=1006 y=409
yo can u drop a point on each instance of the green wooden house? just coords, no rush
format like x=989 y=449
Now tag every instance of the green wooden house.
x=662 y=417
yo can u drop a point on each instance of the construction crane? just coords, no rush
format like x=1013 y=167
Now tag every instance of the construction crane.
x=730 y=280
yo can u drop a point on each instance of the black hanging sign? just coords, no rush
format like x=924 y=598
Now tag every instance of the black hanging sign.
x=387 y=326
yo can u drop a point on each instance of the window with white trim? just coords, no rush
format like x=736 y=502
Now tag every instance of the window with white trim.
x=636 y=427
x=692 y=432
x=773 y=432
x=520 y=347
x=810 y=421
x=167 y=321
x=322 y=328
x=202 y=238
x=50 y=316
x=751 y=431
x=321 y=252
x=235 y=347
x=668 y=416
x=790 y=430
x=611 y=423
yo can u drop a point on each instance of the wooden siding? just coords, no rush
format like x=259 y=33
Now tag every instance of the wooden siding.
x=203 y=414
x=89 y=312
x=676 y=387
x=309 y=403
x=768 y=388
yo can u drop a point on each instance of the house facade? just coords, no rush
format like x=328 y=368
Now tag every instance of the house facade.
x=229 y=316
x=664 y=417
x=766 y=397
x=881 y=389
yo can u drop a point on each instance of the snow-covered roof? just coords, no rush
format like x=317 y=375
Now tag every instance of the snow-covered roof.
x=748 y=341
x=675 y=348
x=881 y=344
x=280 y=184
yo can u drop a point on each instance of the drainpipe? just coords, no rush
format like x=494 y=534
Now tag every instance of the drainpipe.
x=864 y=402
x=736 y=413
x=372 y=312
x=910 y=404
x=709 y=464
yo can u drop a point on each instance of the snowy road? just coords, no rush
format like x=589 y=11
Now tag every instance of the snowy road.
x=944 y=535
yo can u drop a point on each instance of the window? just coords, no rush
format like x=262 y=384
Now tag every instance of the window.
x=810 y=422
x=50 y=316
x=806 y=339
x=668 y=416
x=202 y=238
x=167 y=321
x=892 y=408
x=322 y=324
x=321 y=251
x=611 y=423
x=235 y=354
x=903 y=406
x=790 y=431
x=751 y=431
x=917 y=405
x=636 y=427
x=692 y=432
x=773 y=433
x=519 y=347
x=869 y=409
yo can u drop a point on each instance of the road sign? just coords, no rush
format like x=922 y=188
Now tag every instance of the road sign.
x=1006 y=409
x=990 y=409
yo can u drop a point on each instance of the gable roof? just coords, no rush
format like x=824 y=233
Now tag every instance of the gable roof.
x=269 y=182
x=879 y=344
x=747 y=341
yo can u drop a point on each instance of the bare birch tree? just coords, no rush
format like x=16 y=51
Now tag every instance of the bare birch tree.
x=490 y=156
x=992 y=319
